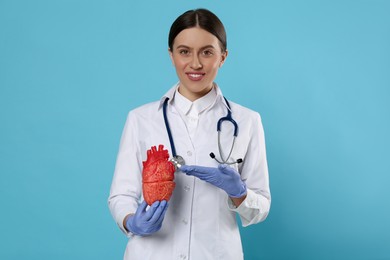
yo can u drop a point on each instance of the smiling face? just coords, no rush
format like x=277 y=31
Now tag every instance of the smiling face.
x=197 y=56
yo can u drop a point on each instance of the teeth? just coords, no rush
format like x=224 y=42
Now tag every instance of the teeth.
x=195 y=75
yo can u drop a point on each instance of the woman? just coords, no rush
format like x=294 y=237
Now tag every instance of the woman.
x=200 y=221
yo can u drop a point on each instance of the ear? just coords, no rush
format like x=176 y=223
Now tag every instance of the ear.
x=171 y=56
x=223 y=58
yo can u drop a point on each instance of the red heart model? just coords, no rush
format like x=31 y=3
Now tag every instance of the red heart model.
x=157 y=175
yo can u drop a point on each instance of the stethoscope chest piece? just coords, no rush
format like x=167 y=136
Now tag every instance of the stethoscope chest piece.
x=177 y=161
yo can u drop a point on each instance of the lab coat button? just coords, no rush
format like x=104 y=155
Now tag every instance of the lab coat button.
x=185 y=222
x=189 y=153
x=187 y=188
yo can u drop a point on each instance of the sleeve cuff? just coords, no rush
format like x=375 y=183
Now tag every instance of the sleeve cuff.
x=249 y=202
x=119 y=222
x=249 y=209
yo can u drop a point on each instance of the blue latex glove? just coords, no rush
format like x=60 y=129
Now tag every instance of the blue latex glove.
x=224 y=177
x=144 y=223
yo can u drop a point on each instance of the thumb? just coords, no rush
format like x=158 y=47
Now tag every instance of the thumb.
x=141 y=208
x=224 y=168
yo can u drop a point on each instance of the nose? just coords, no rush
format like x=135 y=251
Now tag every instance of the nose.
x=195 y=62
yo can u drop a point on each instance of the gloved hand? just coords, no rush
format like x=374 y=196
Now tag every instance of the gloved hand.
x=224 y=177
x=144 y=222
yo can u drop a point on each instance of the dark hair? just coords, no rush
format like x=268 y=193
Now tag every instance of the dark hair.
x=202 y=18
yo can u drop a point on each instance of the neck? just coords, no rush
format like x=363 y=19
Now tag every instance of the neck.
x=192 y=96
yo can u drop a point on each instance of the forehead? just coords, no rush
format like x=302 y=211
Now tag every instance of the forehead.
x=195 y=38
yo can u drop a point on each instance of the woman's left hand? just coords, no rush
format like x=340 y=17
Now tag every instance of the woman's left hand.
x=224 y=177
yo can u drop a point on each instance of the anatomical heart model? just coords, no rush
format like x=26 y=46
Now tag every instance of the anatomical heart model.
x=157 y=175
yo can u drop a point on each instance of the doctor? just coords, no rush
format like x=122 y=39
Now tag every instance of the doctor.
x=199 y=220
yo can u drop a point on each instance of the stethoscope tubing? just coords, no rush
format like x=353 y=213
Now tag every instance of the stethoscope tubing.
x=228 y=117
x=168 y=128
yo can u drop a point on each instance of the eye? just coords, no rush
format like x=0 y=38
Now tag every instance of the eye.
x=184 y=52
x=207 y=53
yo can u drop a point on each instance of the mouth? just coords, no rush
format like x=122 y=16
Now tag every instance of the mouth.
x=195 y=76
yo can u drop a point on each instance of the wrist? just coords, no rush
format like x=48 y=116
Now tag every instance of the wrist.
x=125 y=222
x=237 y=201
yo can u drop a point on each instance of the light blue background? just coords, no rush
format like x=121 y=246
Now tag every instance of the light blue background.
x=317 y=71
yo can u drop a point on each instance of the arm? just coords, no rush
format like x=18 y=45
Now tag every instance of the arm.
x=248 y=192
x=126 y=187
x=256 y=205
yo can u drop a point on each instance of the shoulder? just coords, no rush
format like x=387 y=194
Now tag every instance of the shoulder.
x=145 y=111
x=248 y=120
x=244 y=112
x=152 y=108
x=146 y=108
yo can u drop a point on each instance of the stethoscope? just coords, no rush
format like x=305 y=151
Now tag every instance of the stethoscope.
x=178 y=160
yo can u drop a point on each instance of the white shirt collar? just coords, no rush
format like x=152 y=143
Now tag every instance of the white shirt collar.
x=181 y=103
x=196 y=107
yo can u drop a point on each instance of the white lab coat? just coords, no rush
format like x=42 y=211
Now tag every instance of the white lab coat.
x=200 y=222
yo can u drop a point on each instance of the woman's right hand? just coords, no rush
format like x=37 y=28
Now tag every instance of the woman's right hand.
x=146 y=222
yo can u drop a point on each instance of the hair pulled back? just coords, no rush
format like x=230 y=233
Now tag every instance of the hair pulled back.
x=201 y=18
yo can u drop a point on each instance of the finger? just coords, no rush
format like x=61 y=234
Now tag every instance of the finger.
x=162 y=215
x=201 y=172
x=151 y=210
x=185 y=168
x=159 y=211
x=190 y=169
x=141 y=208
x=227 y=169
x=197 y=174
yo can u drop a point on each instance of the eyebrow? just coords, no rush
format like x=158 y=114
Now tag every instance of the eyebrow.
x=202 y=48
